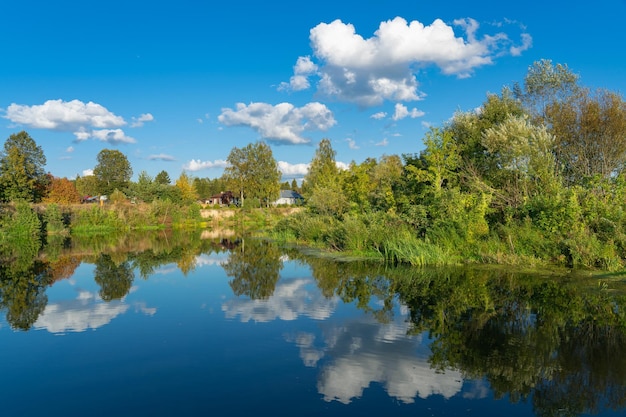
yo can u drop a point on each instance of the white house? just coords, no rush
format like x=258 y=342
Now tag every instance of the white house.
x=289 y=197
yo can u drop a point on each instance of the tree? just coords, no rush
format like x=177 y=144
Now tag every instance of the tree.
x=323 y=171
x=253 y=172
x=87 y=185
x=590 y=134
x=186 y=186
x=113 y=171
x=322 y=185
x=22 y=174
x=162 y=178
x=62 y=191
x=545 y=84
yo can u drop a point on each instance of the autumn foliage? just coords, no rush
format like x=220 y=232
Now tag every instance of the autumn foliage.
x=62 y=191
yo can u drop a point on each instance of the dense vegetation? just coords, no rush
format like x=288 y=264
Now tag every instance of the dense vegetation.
x=534 y=176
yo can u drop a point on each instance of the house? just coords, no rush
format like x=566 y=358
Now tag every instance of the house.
x=289 y=197
x=225 y=198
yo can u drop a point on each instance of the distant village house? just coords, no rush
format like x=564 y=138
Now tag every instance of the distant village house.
x=289 y=197
x=225 y=198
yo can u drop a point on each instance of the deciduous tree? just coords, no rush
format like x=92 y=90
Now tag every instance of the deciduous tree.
x=253 y=172
x=112 y=171
x=22 y=174
x=62 y=191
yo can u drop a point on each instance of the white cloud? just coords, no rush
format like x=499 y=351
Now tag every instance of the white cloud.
x=87 y=172
x=112 y=136
x=379 y=115
x=293 y=170
x=63 y=115
x=299 y=81
x=527 y=42
x=85 y=120
x=139 y=121
x=368 y=71
x=401 y=111
x=383 y=142
x=352 y=143
x=198 y=165
x=161 y=157
x=69 y=149
x=282 y=123
x=342 y=165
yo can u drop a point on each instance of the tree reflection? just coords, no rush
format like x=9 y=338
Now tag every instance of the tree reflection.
x=115 y=280
x=255 y=267
x=23 y=292
x=556 y=341
x=547 y=338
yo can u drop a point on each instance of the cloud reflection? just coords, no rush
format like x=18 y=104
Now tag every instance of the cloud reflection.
x=367 y=352
x=87 y=311
x=290 y=300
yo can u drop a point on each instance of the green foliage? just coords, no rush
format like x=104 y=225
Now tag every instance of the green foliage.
x=22 y=223
x=97 y=219
x=253 y=173
x=117 y=197
x=22 y=174
x=54 y=220
x=163 y=178
x=323 y=172
x=112 y=171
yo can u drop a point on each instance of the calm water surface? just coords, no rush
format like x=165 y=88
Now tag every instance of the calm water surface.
x=248 y=330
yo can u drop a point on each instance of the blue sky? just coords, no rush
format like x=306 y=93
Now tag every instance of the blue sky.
x=176 y=85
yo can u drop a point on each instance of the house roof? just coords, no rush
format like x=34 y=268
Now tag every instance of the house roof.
x=290 y=194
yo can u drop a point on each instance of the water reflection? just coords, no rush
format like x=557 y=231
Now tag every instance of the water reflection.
x=290 y=299
x=85 y=312
x=367 y=352
x=554 y=342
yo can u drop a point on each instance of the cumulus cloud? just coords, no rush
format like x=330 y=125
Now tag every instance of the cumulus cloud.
x=379 y=115
x=87 y=172
x=63 y=115
x=293 y=170
x=282 y=123
x=368 y=71
x=198 y=165
x=161 y=157
x=299 y=81
x=112 y=136
x=401 y=111
x=86 y=120
x=139 y=121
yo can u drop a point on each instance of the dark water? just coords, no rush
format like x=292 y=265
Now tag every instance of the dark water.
x=238 y=328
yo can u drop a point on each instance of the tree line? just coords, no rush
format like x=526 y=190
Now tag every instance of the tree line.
x=535 y=175
x=252 y=173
